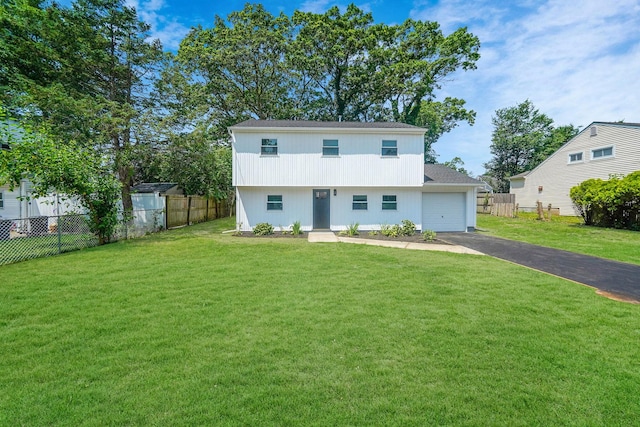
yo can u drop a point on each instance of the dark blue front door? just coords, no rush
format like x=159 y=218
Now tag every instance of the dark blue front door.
x=321 y=209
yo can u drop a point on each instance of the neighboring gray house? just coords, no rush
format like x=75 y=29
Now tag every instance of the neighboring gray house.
x=600 y=150
x=328 y=175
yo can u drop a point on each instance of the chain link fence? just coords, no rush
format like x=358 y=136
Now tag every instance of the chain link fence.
x=41 y=236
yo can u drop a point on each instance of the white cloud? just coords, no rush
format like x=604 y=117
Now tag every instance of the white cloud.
x=576 y=62
x=168 y=30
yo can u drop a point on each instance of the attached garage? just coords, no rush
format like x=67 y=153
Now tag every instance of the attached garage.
x=448 y=199
x=444 y=211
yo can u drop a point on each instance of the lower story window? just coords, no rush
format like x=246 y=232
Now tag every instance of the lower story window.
x=359 y=203
x=389 y=203
x=274 y=202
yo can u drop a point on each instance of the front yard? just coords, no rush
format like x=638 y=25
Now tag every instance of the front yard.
x=191 y=327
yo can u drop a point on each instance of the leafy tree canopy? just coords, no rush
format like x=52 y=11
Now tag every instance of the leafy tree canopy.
x=331 y=66
x=67 y=168
x=522 y=138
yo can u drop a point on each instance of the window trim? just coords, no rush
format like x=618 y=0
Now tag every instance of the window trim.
x=359 y=202
x=580 y=160
x=394 y=148
x=390 y=203
x=275 y=205
x=327 y=148
x=603 y=156
x=265 y=148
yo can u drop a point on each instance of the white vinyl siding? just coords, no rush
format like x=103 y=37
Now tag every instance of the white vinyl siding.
x=251 y=210
x=556 y=176
x=299 y=161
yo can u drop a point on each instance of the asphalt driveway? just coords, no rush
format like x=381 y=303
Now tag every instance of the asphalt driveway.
x=613 y=277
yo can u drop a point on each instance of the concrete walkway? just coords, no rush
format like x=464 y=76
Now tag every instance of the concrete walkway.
x=329 y=237
x=614 y=279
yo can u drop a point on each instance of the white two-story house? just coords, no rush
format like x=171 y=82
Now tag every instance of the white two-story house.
x=600 y=150
x=328 y=175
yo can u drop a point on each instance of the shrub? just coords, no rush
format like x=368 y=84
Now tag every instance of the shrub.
x=408 y=228
x=429 y=235
x=296 y=228
x=352 y=230
x=390 y=230
x=263 y=229
x=611 y=203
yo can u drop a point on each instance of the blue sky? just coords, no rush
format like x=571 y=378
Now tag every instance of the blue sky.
x=578 y=61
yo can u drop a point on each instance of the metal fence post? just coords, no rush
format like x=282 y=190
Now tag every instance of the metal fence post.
x=58 y=228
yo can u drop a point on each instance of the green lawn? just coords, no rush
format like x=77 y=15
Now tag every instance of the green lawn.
x=191 y=327
x=568 y=233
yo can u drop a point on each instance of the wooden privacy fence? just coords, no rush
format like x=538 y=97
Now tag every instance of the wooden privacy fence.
x=498 y=204
x=187 y=210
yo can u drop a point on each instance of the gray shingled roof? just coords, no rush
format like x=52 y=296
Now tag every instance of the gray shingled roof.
x=441 y=174
x=635 y=125
x=520 y=175
x=252 y=123
x=152 y=187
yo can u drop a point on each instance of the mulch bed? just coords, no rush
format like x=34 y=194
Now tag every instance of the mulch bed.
x=275 y=235
x=416 y=238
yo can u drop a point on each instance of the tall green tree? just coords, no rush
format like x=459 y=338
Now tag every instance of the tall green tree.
x=88 y=79
x=359 y=70
x=332 y=51
x=237 y=69
x=522 y=138
x=440 y=117
x=67 y=168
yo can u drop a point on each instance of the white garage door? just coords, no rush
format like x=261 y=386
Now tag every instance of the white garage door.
x=443 y=211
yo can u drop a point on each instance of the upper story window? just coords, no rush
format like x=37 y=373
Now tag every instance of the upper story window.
x=269 y=147
x=360 y=203
x=330 y=147
x=389 y=148
x=274 y=202
x=389 y=203
x=575 y=157
x=600 y=153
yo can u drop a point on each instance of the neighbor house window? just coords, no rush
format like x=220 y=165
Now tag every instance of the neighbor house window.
x=575 y=157
x=389 y=203
x=602 y=152
x=274 y=203
x=1 y=200
x=359 y=203
x=389 y=148
x=269 y=147
x=330 y=147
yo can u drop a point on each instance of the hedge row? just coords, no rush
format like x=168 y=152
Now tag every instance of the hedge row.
x=611 y=203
